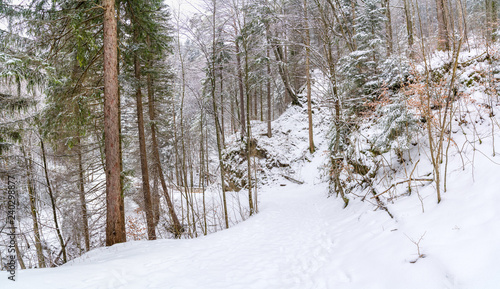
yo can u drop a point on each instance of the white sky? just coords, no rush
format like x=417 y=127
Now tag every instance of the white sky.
x=186 y=7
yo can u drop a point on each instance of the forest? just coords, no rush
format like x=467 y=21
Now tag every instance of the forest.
x=128 y=121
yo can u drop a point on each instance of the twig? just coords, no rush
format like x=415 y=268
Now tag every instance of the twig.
x=402 y=182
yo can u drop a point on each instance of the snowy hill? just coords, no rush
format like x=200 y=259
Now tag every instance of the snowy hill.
x=303 y=239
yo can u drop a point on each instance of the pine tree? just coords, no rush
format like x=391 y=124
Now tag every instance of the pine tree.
x=361 y=67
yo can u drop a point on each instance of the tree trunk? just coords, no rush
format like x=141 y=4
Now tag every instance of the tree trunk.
x=268 y=86
x=443 y=40
x=409 y=27
x=216 y=117
x=308 y=79
x=240 y=86
x=115 y=218
x=53 y=203
x=491 y=20
x=222 y=106
x=33 y=209
x=283 y=71
x=18 y=254
x=177 y=227
x=83 y=202
x=249 y=131
x=148 y=208
x=388 y=26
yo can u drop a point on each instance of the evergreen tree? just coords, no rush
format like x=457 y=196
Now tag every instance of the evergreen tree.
x=361 y=67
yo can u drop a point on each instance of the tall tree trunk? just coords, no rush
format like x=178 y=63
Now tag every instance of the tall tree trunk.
x=233 y=121
x=81 y=195
x=388 y=26
x=491 y=20
x=308 y=79
x=222 y=106
x=201 y=182
x=115 y=218
x=283 y=70
x=331 y=72
x=18 y=254
x=53 y=203
x=122 y=177
x=443 y=39
x=409 y=27
x=249 y=131
x=177 y=227
x=261 y=99
x=148 y=208
x=33 y=209
x=240 y=86
x=268 y=86
x=216 y=117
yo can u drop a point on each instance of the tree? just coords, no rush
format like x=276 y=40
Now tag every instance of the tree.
x=137 y=17
x=158 y=41
x=115 y=221
x=491 y=19
x=308 y=79
x=442 y=18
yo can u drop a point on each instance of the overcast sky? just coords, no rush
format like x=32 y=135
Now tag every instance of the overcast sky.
x=186 y=7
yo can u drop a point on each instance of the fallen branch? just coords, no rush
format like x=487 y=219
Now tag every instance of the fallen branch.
x=293 y=180
x=402 y=182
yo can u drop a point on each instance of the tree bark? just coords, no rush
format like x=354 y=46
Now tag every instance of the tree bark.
x=240 y=86
x=221 y=75
x=491 y=20
x=148 y=208
x=268 y=87
x=308 y=80
x=216 y=117
x=156 y=155
x=115 y=218
x=443 y=40
x=388 y=27
x=409 y=27
x=33 y=209
x=249 y=130
x=83 y=202
x=53 y=203
x=283 y=71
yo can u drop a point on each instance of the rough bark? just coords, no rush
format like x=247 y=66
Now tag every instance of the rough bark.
x=53 y=203
x=268 y=87
x=240 y=87
x=308 y=79
x=146 y=189
x=491 y=20
x=33 y=210
x=409 y=27
x=388 y=27
x=115 y=219
x=216 y=117
x=177 y=227
x=81 y=195
x=443 y=40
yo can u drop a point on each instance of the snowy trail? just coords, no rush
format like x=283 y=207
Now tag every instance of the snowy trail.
x=302 y=239
x=287 y=245
x=290 y=244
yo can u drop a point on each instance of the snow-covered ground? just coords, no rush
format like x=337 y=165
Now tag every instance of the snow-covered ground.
x=303 y=239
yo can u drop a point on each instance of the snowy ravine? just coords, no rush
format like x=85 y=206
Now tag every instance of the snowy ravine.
x=302 y=239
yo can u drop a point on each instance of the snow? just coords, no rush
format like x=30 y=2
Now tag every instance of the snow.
x=303 y=239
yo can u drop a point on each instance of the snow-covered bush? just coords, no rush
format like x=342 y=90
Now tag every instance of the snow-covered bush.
x=395 y=127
